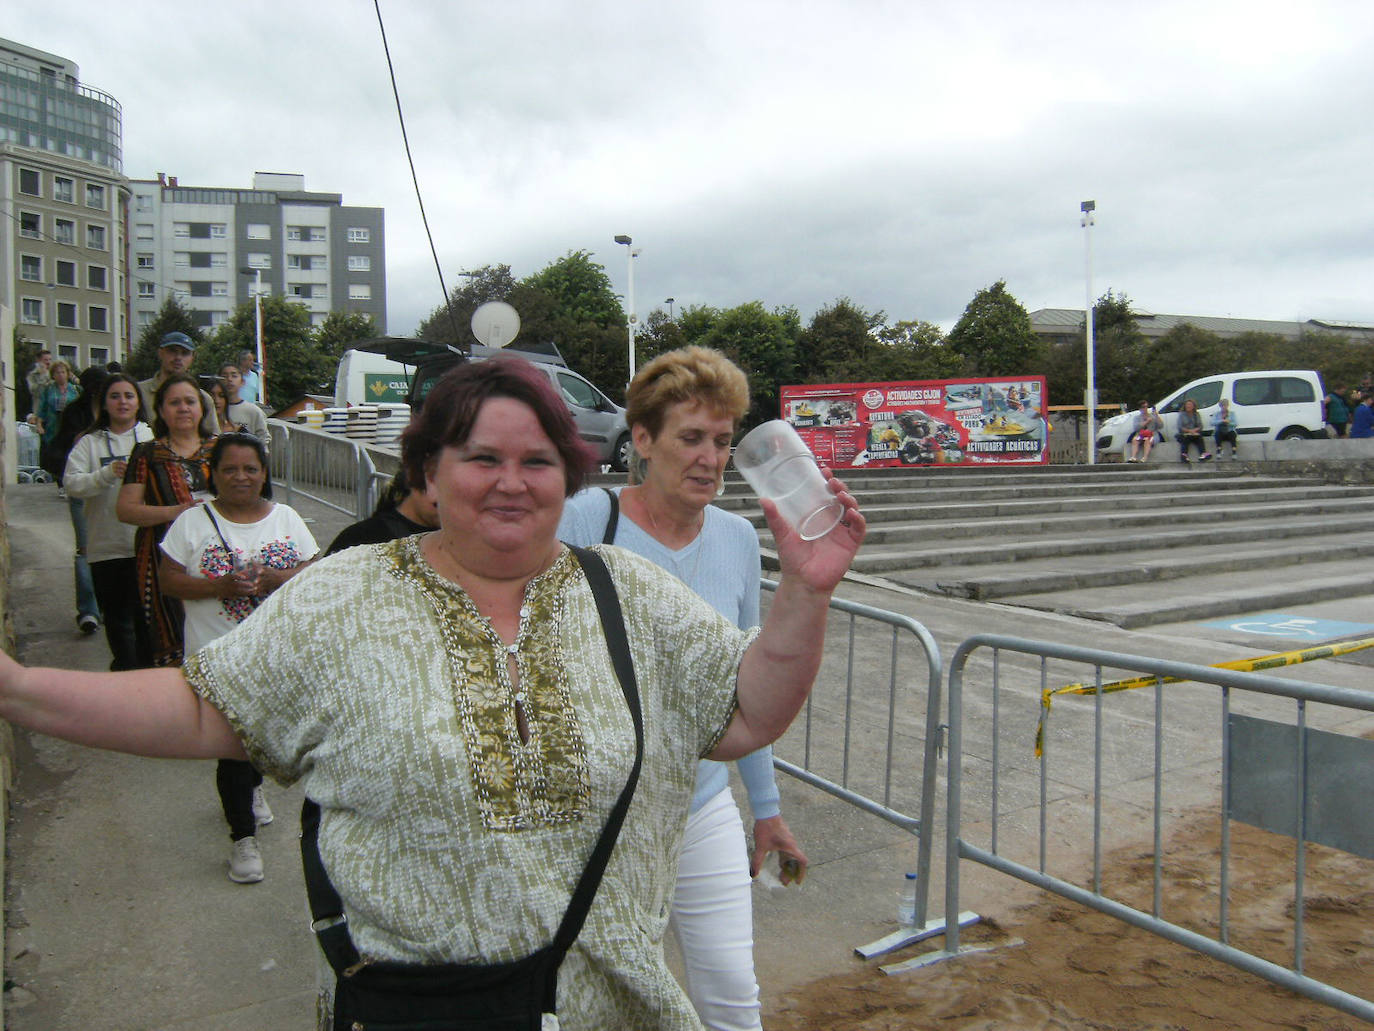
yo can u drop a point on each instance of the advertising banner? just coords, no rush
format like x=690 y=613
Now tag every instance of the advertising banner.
x=931 y=422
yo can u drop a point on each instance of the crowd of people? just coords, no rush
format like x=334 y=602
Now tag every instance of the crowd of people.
x=445 y=683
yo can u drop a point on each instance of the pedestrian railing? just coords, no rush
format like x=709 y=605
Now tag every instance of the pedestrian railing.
x=1281 y=775
x=848 y=705
x=334 y=471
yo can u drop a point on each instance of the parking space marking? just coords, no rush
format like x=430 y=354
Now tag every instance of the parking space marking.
x=1279 y=624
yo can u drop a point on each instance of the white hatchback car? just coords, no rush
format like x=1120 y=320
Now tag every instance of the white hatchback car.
x=1270 y=405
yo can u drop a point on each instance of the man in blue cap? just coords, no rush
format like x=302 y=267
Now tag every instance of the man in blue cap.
x=175 y=354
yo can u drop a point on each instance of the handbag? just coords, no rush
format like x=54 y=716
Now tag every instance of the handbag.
x=381 y=995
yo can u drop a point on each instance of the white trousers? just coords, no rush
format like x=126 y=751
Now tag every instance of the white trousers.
x=713 y=917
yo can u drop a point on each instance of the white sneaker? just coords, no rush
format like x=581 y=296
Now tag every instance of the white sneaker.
x=245 y=861
x=262 y=812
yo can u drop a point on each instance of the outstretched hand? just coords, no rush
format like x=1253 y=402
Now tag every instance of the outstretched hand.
x=819 y=564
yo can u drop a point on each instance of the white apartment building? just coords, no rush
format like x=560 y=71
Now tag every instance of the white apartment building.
x=212 y=247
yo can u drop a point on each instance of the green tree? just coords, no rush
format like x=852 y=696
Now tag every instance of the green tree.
x=172 y=316
x=571 y=303
x=295 y=365
x=657 y=336
x=994 y=334
x=341 y=329
x=1183 y=353
x=837 y=342
x=762 y=343
x=452 y=323
x=1119 y=352
x=912 y=350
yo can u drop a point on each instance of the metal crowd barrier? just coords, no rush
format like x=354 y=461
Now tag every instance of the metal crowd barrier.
x=858 y=690
x=334 y=471
x=1283 y=777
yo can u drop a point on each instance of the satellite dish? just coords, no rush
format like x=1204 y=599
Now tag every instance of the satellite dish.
x=495 y=324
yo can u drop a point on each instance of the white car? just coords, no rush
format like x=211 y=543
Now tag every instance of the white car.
x=1272 y=405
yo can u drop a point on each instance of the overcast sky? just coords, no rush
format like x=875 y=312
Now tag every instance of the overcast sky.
x=902 y=154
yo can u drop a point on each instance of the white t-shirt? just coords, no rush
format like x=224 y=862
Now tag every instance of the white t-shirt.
x=279 y=540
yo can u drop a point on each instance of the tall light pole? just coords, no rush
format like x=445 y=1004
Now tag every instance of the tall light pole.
x=669 y=303
x=1088 y=207
x=630 y=318
x=256 y=273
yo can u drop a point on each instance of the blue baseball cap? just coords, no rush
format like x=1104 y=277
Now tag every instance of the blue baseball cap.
x=178 y=339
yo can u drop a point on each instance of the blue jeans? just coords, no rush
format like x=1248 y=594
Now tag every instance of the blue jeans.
x=86 y=605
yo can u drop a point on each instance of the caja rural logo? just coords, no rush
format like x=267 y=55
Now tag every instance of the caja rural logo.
x=873 y=398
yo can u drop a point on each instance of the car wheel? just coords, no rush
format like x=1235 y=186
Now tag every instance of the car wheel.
x=620 y=457
x=1293 y=433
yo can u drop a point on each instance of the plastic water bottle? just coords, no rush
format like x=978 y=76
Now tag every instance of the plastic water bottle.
x=906 y=908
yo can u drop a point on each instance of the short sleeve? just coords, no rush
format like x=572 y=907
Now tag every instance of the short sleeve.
x=180 y=543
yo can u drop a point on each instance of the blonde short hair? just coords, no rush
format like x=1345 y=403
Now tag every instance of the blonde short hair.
x=59 y=363
x=687 y=374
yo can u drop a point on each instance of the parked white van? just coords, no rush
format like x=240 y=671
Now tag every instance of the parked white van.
x=366 y=378
x=1270 y=405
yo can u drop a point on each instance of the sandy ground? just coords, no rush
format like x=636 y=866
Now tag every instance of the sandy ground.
x=1063 y=966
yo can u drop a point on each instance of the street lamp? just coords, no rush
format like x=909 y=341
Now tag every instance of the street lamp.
x=630 y=318
x=1088 y=207
x=256 y=273
x=669 y=303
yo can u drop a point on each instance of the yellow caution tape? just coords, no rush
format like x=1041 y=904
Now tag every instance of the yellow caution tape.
x=1255 y=665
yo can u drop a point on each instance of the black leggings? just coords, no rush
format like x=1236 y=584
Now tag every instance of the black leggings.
x=1183 y=444
x=236 y=780
x=116 y=589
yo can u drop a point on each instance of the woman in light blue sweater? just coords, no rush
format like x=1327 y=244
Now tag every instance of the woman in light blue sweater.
x=684 y=409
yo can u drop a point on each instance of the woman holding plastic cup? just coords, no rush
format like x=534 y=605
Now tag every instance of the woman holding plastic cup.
x=222 y=559
x=683 y=410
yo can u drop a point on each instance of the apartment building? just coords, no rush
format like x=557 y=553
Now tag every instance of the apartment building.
x=62 y=242
x=213 y=247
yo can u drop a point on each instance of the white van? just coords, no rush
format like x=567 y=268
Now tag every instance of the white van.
x=364 y=377
x=1272 y=405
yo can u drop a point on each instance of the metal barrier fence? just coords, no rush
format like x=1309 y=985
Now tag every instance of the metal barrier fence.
x=857 y=693
x=334 y=471
x=1310 y=810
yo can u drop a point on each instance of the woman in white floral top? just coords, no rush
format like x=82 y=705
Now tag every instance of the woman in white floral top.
x=449 y=702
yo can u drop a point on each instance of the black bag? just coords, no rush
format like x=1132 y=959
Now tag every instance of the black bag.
x=378 y=995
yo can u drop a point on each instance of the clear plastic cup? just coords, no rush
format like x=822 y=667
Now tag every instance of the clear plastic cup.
x=779 y=466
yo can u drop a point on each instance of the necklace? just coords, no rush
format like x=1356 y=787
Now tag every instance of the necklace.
x=694 y=542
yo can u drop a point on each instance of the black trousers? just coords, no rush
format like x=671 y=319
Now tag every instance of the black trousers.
x=116 y=589
x=236 y=780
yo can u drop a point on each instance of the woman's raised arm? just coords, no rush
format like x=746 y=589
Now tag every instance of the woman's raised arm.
x=150 y=712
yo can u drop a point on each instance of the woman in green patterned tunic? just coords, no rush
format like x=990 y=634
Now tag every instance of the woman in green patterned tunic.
x=449 y=701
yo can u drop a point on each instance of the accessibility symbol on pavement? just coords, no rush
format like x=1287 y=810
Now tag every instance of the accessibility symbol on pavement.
x=1278 y=624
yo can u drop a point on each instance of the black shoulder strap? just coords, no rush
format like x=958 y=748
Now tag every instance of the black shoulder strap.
x=326 y=908
x=612 y=521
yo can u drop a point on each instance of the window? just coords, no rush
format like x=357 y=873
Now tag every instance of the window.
x=219 y=289
x=95 y=196
x=259 y=231
x=95 y=237
x=144 y=260
x=200 y=259
x=31 y=311
x=359 y=263
x=218 y=230
x=143 y=202
x=31 y=268
x=97 y=318
x=317 y=234
x=357 y=234
x=62 y=189
x=67 y=352
x=146 y=289
x=318 y=263
x=181 y=229
x=31 y=225
x=143 y=231
x=259 y=261
x=181 y=258
x=29 y=182
x=145 y=318
x=219 y=318
x=218 y=260
x=96 y=277
x=64 y=231
x=298 y=289
x=66 y=273
x=66 y=314
x=100 y=355
x=359 y=292
x=200 y=289
x=317 y=318
x=295 y=232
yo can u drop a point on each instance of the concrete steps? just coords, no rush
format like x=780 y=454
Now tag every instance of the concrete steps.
x=1132 y=545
